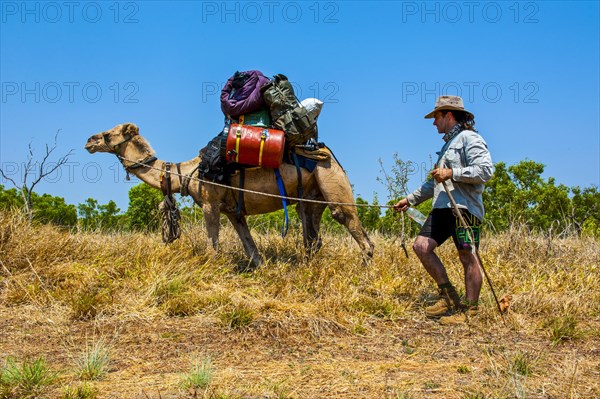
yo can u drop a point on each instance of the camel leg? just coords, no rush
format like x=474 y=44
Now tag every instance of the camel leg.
x=310 y=214
x=347 y=216
x=241 y=227
x=335 y=187
x=212 y=222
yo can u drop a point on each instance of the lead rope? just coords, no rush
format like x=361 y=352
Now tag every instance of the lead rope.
x=189 y=177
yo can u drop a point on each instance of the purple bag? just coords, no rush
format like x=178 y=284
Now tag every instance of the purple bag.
x=241 y=93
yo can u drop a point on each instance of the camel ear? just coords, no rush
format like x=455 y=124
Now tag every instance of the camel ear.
x=130 y=129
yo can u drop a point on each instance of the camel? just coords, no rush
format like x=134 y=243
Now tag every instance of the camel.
x=328 y=182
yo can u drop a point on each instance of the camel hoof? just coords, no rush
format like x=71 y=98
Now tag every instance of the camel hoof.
x=248 y=267
x=367 y=259
x=245 y=268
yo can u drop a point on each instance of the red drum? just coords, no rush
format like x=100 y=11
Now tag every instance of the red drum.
x=254 y=145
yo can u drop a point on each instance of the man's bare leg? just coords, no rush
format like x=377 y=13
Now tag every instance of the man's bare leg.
x=473 y=278
x=425 y=247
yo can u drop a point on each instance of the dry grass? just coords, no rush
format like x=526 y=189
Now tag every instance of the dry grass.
x=323 y=328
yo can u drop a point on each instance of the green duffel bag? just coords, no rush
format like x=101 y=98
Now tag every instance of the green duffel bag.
x=287 y=112
x=298 y=126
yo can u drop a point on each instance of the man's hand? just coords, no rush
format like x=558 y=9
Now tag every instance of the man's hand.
x=401 y=205
x=441 y=174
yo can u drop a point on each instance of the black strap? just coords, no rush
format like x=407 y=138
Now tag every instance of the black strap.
x=185 y=183
x=139 y=164
x=299 y=172
x=240 y=205
x=284 y=202
x=168 y=177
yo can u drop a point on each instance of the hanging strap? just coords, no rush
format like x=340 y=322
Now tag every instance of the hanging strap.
x=299 y=172
x=240 y=204
x=300 y=191
x=286 y=224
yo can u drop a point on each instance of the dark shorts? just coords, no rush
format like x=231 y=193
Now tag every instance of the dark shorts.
x=442 y=224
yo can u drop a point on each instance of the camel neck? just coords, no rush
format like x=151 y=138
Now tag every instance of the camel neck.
x=146 y=167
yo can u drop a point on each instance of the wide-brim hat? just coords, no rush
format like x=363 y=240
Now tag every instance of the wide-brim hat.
x=449 y=103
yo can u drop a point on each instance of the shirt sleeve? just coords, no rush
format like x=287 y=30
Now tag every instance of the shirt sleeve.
x=479 y=167
x=421 y=194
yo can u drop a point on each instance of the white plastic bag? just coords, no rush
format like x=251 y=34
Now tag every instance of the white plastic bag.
x=313 y=106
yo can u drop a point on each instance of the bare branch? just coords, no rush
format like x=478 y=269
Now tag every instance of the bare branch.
x=28 y=165
x=8 y=178
x=27 y=190
x=61 y=161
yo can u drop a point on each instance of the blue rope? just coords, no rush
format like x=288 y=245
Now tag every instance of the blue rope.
x=284 y=228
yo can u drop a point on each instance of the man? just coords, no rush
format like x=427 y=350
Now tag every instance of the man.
x=464 y=164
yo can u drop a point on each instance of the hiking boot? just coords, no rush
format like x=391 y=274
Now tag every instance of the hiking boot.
x=449 y=301
x=460 y=317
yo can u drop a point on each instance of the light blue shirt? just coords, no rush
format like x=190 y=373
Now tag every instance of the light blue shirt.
x=471 y=163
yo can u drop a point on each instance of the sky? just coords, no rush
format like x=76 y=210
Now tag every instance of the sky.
x=528 y=70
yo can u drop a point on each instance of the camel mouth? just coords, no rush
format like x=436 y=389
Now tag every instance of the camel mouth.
x=91 y=146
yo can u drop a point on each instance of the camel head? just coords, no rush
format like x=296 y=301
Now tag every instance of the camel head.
x=110 y=140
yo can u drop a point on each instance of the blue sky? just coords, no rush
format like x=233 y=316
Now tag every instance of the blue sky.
x=529 y=71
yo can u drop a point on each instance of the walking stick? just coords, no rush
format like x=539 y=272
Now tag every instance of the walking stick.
x=463 y=222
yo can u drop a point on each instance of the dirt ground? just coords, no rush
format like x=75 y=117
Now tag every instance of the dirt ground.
x=406 y=358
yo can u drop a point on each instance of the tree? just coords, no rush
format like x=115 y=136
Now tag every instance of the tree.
x=44 y=168
x=10 y=199
x=552 y=206
x=369 y=215
x=93 y=216
x=45 y=208
x=585 y=210
x=49 y=209
x=88 y=213
x=142 y=213
x=498 y=198
x=519 y=194
x=109 y=217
